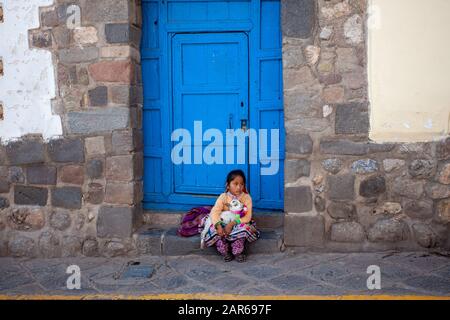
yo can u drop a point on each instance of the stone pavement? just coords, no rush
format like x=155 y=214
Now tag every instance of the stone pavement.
x=280 y=274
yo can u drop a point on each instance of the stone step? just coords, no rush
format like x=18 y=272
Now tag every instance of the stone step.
x=166 y=219
x=158 y=241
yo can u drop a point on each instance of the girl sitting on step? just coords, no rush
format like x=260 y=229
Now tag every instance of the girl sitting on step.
x=231 y=238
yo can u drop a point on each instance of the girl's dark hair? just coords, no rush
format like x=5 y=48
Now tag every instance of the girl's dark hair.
x=233 y=174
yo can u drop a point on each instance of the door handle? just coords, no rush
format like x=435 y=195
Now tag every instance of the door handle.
x=230 y=121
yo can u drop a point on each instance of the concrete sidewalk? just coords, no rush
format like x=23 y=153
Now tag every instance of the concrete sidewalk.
x=200 y=276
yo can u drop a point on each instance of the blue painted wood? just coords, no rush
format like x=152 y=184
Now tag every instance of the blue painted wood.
x=182 y=35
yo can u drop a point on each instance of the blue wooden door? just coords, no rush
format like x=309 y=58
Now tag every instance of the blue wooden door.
x=210 y=95
x=214 y=62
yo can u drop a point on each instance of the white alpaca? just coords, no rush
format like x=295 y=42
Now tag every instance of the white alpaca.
x=226 y=216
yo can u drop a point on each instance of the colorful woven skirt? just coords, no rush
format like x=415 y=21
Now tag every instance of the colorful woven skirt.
x=247 y=231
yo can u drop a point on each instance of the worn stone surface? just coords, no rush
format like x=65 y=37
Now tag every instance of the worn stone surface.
x=26 y=219
x=298 y=18
x=21 y=246
x=41 y=175
x=66 y=150
x=98 y=96
x=388 y=208
x=372 y=186
x=67 y=197
x=418 y=209
x=115 y=222
x=60 y=220
x=343 y=147
x=347 y=232
x=364 y=166
x=351 y=118
x=304 y=230
x=443 y=149
x=437 y=190
x=341 y=210
x=16 y=175
x=112 y=71
x=73 y=174
x=90 y=247
x=25 y=152
x=122 y=142
x=393 y=164
x=341 y=187
x=294 y=169
x=332 y=165
x=299 y=143
x=94 y=169
x=97 y=121
x=443 y=210
x=49 y=245
x=424 y=235
x=96 y=193
x=71 y=246
x=106 y=11
x=120 y=193
x=78 y=55
x=443 y=175
x=421 y=168
x=388 y=230
x=120 y=168
x=320 y=204
x=407 y=188
x=30 y=195
x=95 y=146
x=298 y=199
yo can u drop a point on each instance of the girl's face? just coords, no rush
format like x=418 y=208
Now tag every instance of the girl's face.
x=236 y=186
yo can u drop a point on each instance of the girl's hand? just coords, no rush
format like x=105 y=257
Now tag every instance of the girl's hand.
x=229 y=227
x=220 y=231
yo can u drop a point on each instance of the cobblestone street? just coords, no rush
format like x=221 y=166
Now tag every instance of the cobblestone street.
x=199 y=276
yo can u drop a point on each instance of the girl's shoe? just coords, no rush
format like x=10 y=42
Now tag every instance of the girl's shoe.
x=228 y=257
x=241 y=257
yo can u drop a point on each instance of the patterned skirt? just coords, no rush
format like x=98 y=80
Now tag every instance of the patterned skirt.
x=247 y=231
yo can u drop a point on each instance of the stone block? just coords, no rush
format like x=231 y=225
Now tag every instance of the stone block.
x=373 y=186
x=97 y=121
x=341 y=187
x=95 y=146
x=94 y=169
x=298 y=199
x=418 y=209
x=30 y=195
x=98 y=97
x=90 y=248
x=60 y=220
x=25 y=152
x=120 y=168
x=332 y=165
x=347 y=232
x=106 y=11
x=299 y=143
x=26 y=219
x=67 y=197
x=115 y=222
x=21 y=246
x=437 y=190
x=408 y=188
x=443 y=175
x=422 y=168
x=112 y=71
x=41 y=175
x=174 y=245
x=66 y=150
x=4 y=203
x=72 y=174
x=122 y=142
x=388 y=230
x=294 y=169
x=120 y=193
x=341 y=210
x=364 y=166
x=343 y=147
x=352 y=118
x=78 y=55
x=40 y=38
x=298 y=18
x=96 y=193
x=4 y=186
x=304 y=230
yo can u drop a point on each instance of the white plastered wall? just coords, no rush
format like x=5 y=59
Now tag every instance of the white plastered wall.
x=409 y=69
x=28 y=83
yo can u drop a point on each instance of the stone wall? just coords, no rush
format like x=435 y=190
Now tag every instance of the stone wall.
x=80 y=192
x=344 y=192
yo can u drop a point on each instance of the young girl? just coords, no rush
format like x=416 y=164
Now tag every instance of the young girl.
x=230 y=238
